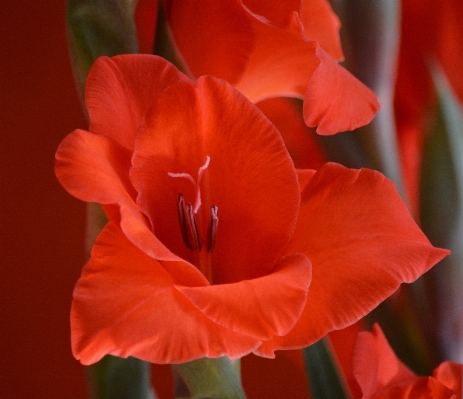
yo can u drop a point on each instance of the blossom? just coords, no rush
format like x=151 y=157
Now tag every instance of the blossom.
x=216 y=245
x=269 y=49
x=381 y=374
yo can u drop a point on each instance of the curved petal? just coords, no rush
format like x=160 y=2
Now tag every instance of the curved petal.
x=301 y=141
x=121 y=89
x=304 y=176
x=275 y=12
x=95 y=169
x=319 y=22
x=335 y=100
x=125 y=304
x=281 y=64
x=451 y=375
x=260 y=308
x=375 y=364
x=420 y=387
x=322 y=25
x=250 y=178
x=362 y=242
x=214 y=37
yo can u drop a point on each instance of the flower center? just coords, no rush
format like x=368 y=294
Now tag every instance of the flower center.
x=187 y=214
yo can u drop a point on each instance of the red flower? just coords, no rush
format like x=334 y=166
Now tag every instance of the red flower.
x=294 y=254
x=269 y=49
x=381 y=374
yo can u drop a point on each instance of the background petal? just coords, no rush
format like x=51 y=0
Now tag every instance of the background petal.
x=451 y=375
x=362 y=242
x=214 y=37
x=125 y=304
x=319 y=22
x=250 y=178
x=121 y=89
x=322 y=25
x=375 y=364
x=301 y=141
x=281 y=64
x=335 y=100
x=261 y=308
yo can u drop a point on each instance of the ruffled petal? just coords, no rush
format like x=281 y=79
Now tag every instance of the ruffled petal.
x=335 y=100
x=125 y=304
x=260 y=308
x=214 y=37
x=250 y=178
x=362 y=242
x=319 y=22
x=322 y=25
x=121 y=89
x=281 y=64
x=420 y=387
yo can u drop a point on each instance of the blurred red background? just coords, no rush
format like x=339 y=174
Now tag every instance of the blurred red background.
x=42 y=227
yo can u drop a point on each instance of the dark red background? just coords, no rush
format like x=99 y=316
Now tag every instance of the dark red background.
x=41 y=226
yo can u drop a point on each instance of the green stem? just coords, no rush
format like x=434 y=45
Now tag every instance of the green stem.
x=210 y=378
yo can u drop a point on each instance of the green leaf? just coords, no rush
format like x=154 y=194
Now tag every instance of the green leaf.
x=325 y=380
x=211 y=378
x=96 y=28
x=117 y=378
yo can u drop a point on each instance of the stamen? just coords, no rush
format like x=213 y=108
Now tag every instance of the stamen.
x=213 y=228
x=192 y=228
x=182 y=221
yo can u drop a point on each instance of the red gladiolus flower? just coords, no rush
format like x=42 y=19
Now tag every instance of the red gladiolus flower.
x=269 y=49
x=382 y=375
x=215 y=244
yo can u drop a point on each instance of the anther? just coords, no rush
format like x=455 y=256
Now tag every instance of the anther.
x=182 y=221
x=192 y=229
x=213 y=228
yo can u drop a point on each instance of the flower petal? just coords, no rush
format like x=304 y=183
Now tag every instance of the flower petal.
x=95 y=169
x=125 y=304
x=250 y=177
x=260 y=308
x=281 y=64
x=375 y=364
x=420 y=387
x=451 y=375
x=214 y=37
x=301 y=141
x=120 y=90
x=362 y=242
x=335 y=100
x=319 y=22
x=322 y=25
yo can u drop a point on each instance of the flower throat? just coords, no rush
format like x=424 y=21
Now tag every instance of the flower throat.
x=187 y=214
